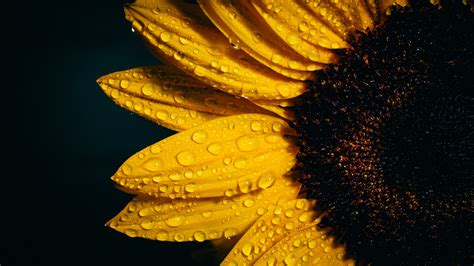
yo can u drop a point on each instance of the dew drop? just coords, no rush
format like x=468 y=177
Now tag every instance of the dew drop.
x=147 y=225
x=175 y=221
x=124 y=84
x=272 y=139
x=266 y=180
x=228 y=193
x=161 y=114
x=247 y=143
x=276 y=127
x=191 y=187
x=199 y=236
x=227 y=160
x=241 y=163
x=249 y=203
x=115 y=94
x=206 y=214
x=230 y=232
x=186 y=158
x=183 y=40
x=244 y=185
x=256 y=126
x=290 y=260
x=247 y=249
x=153 y=165
x=179 y=237
x=162 y=235
x=131 y=232
x=292 y=39
x=126 y=169
x=300 y=204
x=200 y=71
x=165 y=36
x=215 y=148
x=155 y=148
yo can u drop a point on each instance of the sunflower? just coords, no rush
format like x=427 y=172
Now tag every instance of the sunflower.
x=331 y=132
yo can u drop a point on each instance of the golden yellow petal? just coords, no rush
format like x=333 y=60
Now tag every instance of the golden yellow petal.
x=356 y=13
x=278 y=222
x=294 y=25
x=330 y=16
x=179 y=34
x=167 y=115
x=282 y=112
x=170 y=98
x=308 y=246
x=223 y=157
x=240 y=22
x=198 y=219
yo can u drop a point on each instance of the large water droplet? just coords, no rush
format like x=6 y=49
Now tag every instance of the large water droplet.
x=247 y=249
x=199 y=236
x=165 y=36
x=256 y=126
x=131 y=232
x=191 y=187
x=186 y=158
x=175 y=221
x=215 y=148
x=162 y=235
x=153 y=165
x=266 y=180
x=124 y=84
x=247 y=143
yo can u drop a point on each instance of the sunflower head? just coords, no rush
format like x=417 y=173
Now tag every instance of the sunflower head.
x=330 y=132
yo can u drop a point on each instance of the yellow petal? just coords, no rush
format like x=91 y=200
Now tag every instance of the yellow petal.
x=308 y=246
x=185 y=40
x=223 y=157
x=170 y=98
x=198 y=219
x=278 y=222
x=240 y=22
x=294 y=25
x=330 y=16
x=282 y=112
x=167 y=115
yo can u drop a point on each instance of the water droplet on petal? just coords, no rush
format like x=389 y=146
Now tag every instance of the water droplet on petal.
x=191 y=187
x=175 y=221
x=256 y=126
x=124 y=84
x=186 y=158
x=249 y=203
x=131 y=232
x=153 y=165
x=199 y=236
x=206 y=214
x=165 y=36
x=247 y=249
x=215 y=148
x=247 y=143
x=148 y=225
x=162 y=235
x=266 y=180
x=199 y=136
x=230 y=232
x=290 y=260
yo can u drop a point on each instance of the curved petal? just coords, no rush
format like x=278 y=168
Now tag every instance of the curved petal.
x=309 y=246
x=277 y=222
x=224 y=157
x=293 y=24
x=198 y=219
x=171 y=98
x=177 y=33
x=240 y=22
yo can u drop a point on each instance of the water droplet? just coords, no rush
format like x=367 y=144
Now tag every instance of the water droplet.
x=188 y=173
x=153 y=165
x=261 y=211
x=131 y=232
x=266 y=180
x=241 y=163
x=163 y=188
x=290 y=260
x=199 y=136
x=276 y=220
x=165 y=36
x=290 y=226
x=186 y=158
x=191 y=187
x=175 y=176
x=256 y=126
x=276 y=58
x=206 y=214
x=152 y=27
x=235 y=44
x=303 y=26
x=277 y=127
x=147 y=225
x=175 y=221
x=249 y=203
x=145 y=212
x=244 y=185
x=232 y=15
x=247 y=249
x=155 y=148
x=271 y=261
x=179 y=237
x=178 y=55
x=230 y=232
x=292 y=39
x=289 y=213
x=183 y=40
x=304 y=217
x=126 y=169
x=297 y=243
x=161 y=114
x=224 y=68
x=228 y=193
x=227 y=160
x=247 y=143
x=162 y=235
x=115 y=94
x=300 y=204
x=200 y=71
x=199 y=236
x=215 y=148
x=124 y=84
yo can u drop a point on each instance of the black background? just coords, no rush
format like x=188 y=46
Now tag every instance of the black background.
x=63 y=138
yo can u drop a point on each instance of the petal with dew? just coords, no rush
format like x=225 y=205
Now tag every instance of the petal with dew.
x=177 y=33
x=166 y=115
x=170 y=98
x=223 y=157
x=307 y=246
x=356 y=13
x=272 y=227
x=294 y=25
x=239 y=21
x=199 y=219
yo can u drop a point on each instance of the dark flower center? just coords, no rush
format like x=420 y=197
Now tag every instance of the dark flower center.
x=386 y=143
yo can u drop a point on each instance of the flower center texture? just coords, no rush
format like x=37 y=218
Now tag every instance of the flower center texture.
x=386 y=139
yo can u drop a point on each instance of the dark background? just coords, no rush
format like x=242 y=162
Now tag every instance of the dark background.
x=63 y=138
